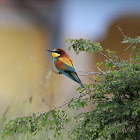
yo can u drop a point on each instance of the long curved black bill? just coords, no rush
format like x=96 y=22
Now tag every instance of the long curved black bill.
x=49 y=50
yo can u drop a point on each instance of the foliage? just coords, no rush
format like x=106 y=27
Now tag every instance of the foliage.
x=114 y=93
x=84 y=45
x=51 y=119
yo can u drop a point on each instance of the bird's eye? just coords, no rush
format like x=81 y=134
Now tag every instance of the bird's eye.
x=57 y=52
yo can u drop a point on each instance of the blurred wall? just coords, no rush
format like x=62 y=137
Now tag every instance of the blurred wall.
x=23 y=60
x=130 y=26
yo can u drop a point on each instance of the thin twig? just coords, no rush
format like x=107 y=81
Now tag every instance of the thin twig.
x=115 y=56
x=124 y=36
x=128 y=46
x=99 y=69
x=131 y=44
x=109 y=59
x=121 y=30
x=41 y=113
x=52 y=71
x=90 y=73
x=63 y=104
x=86 y=77
x=46 y=103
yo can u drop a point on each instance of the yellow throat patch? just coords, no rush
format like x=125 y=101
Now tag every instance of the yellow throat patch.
x=55 y=54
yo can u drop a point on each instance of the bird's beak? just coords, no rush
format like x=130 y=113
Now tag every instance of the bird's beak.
x=49 y=50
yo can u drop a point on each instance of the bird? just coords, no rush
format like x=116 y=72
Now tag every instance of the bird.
x=65 y=65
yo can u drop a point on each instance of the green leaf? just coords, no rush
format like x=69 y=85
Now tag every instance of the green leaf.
x=67 y=40
x=109 y=65
x=133 y=48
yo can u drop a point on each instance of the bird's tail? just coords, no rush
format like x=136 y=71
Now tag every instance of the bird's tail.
x=75 y=77
x=82 y=85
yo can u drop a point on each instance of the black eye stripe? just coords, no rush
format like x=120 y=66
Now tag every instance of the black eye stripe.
x=57 y=52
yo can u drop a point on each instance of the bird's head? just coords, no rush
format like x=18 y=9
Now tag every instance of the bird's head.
x=57 y=52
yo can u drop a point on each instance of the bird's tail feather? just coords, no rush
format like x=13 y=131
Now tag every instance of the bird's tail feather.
x=75 y=77
x=82 y=85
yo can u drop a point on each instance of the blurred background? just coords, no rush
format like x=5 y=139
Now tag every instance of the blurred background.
x=29 y=27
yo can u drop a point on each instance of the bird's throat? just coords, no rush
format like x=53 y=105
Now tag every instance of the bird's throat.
x=55 y=54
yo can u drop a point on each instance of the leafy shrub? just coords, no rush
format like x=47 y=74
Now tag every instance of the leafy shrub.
x=115 y=92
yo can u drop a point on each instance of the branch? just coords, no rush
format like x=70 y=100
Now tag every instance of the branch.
x=121 y=30
x=100 y=70
x=131 y=44
x=69 y=101
x=41 y=113
x=62 y=104
x=109 y=60
x=90 y=73
x=124 y=36
x=52 y=71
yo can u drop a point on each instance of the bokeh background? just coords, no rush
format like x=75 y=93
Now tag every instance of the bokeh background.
x=29 y=27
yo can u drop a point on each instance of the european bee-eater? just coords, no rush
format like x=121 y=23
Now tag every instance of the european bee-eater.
x=64 y=64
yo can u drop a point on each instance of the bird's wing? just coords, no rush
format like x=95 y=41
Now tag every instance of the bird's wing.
x=67 y=68
x=67 y=60
x=64 y=64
